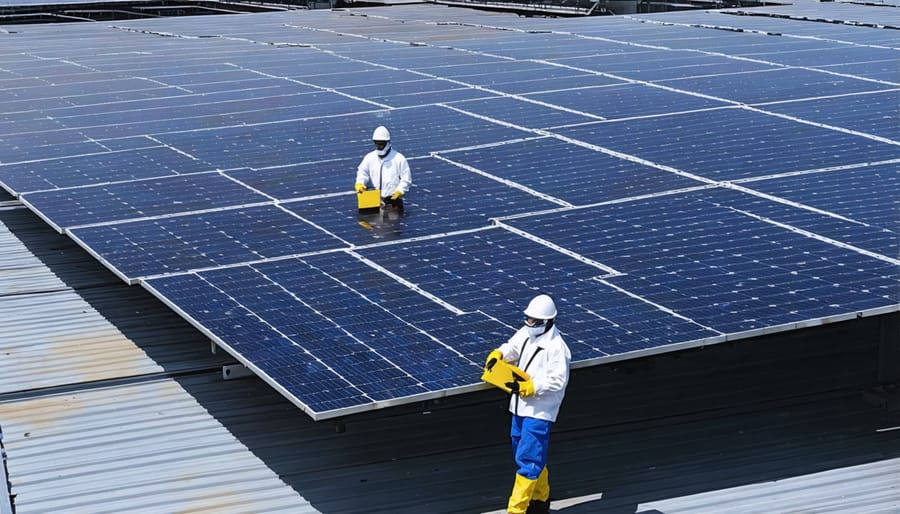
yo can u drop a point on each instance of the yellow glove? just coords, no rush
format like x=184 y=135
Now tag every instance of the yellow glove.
x=359 y=187
x=523 y=389
x=492 y=359
x=397 y=194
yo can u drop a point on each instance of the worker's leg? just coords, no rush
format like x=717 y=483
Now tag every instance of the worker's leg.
x=530 y=439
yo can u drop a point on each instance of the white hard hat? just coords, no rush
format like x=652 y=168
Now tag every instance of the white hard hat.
x=381 y=134
x=541 y=307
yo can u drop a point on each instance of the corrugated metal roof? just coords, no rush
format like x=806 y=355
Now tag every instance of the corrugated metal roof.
x=146 y=447
x=56 y=334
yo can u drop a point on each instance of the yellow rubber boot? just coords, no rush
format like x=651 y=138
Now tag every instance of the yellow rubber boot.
x=521 y=495
x=542 y=487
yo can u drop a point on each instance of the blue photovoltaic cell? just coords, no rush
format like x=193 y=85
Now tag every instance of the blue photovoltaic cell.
x=522 y=113
x=149 y=111
x=876 y=70
x=98 y=168
x=414 y=132
x=661 y=65
x=391 y=89
x=876 y=113
x=445 y=198
x=694 y=254
x=114 y=85
x=540 y=86
x=129 y=200
x=349 y=328
x=472 y=73
x=625 y=101
x=774 y=85
x=485 y=270
x=181 y=243
x=401 y=326
x=275 y=110
x=833 y=54
x=359 y=78
x=260 y=346
x=433 y=97
x=707 y=144
x=862 y=195
x=583 y=176
x=302 y=180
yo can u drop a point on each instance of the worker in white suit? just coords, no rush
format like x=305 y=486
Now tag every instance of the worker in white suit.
x=538 y=349
x=386 y=169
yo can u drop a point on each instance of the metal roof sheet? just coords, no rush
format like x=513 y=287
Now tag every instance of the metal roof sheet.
x=147 y=447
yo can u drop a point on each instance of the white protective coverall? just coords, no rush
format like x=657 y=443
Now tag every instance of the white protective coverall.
x=389 y=173
x=546 y=359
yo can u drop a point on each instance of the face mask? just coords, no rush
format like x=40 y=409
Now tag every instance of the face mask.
x=534 y=332
x=384 y=151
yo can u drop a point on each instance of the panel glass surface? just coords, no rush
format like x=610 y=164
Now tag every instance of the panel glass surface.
x=182 y=243
x=133 y=200
x=711 y=144
x=862 y=196
x=582 y=177
x=725 y=270
x=767 y=86
x=98 y=168
x=626 y=101
x=876 y=114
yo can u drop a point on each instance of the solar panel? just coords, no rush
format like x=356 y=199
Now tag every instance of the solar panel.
x=111 y=166
x=673 y=182
x=699 y=255
x=730 y=144
x=66 y=208
x=182 y=243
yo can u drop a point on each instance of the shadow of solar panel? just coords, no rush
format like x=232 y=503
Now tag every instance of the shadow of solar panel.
x=66 y=208
x=862 y=196
x=577 y=175
x=182 y=243
x=702 y=258
x=707 y=143
x=444 y=198
x=84 y=170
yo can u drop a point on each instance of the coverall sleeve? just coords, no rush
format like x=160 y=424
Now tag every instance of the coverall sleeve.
x=405 y=176
x=362 y=172
x=512 y=348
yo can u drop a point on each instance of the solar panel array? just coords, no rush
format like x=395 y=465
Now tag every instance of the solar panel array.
x=671 y=181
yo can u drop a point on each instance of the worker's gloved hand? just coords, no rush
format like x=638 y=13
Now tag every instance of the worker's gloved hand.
x=523 y=389
x=396 y=195
x=492 y=359
x=359 y=187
